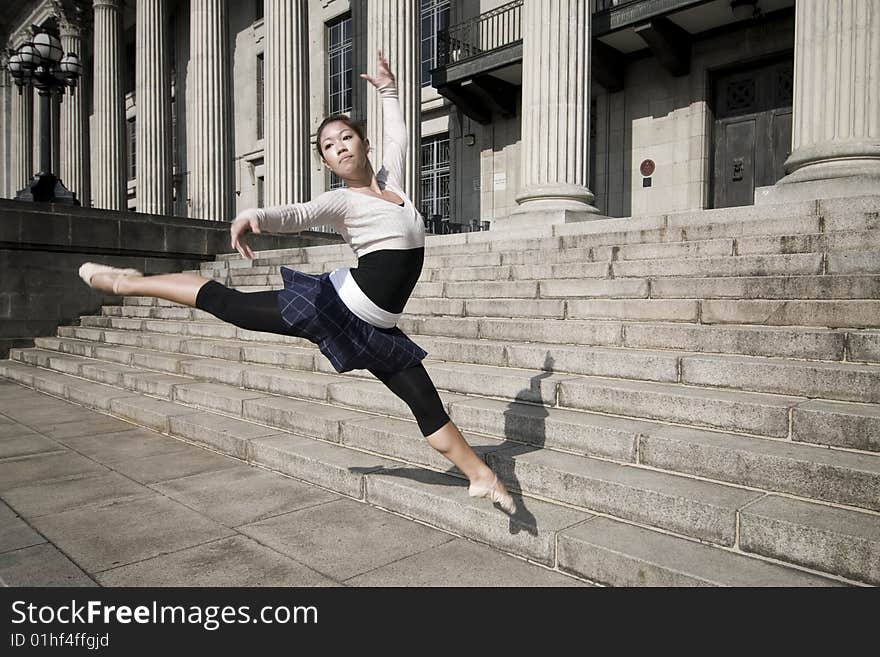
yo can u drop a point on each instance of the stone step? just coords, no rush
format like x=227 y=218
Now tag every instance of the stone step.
x=746 y=412
x=850 y=240
x=781 y=466
x=831 y=314
x=809 y=217
x=799 y=342
x=810 y=343
x=748 y=265
x=442 y=501
x=687 y=506
x=617 y=440
x=487 y=266
x=687 y=248
x=836 y=381
x=616 y=553
x=816 y=536
x=833 y=381
x=595 y=362
x=765 y=255
x=833 y=476
x=853 y=313
x=711 y=516
x=586 y=281
x=837 y=424
x=643 y=365
x=828 y=287
x=610 y=232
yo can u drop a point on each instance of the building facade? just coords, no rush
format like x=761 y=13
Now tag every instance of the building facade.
x=522 y=112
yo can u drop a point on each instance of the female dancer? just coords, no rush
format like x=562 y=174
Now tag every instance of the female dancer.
x=351 y=314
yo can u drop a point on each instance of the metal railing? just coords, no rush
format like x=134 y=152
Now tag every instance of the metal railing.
x=603 y=5
x=494 y=29
x=437 y=225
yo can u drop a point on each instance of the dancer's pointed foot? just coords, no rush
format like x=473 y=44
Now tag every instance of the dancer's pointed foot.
x=496 y=492
x=104 y=277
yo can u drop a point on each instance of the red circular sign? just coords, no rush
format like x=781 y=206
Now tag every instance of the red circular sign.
x=647 y=167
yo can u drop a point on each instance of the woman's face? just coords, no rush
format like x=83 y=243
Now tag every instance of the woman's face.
x=343 y=150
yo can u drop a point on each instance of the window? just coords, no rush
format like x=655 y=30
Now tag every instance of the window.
x=435 y=178
x=261 y=191
x=132 y=141
x=435 y=17
x=260 y=95
x=339 y=81
x=130 y=62
x=175 y=163
x=178 y=197
x=335 y=181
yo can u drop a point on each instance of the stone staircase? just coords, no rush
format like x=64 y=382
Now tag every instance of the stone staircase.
x=687 y=399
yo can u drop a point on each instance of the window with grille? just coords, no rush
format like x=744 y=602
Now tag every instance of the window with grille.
x=335 y=181
x=435 y=178
x=132 y=141
x=175 y=163
x=260 y=95
x=177 y=196
x=261 y=191
x=435 y=17
x=339 y=73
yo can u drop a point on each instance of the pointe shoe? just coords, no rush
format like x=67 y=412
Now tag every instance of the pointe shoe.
x=89 y=269
x=504 y=500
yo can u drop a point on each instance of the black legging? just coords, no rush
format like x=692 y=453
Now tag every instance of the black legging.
x=258 y=311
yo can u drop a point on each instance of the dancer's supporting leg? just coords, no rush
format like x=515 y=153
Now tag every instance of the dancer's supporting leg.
x=414 y=386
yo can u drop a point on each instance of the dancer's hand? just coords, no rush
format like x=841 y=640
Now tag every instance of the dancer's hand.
x=384 y=77
x=246 y=222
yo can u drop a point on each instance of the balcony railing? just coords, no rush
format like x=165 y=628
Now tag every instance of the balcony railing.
x=602 y=5
x=494 y=29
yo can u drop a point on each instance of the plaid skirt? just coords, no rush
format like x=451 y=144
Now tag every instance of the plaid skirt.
x=312 y=309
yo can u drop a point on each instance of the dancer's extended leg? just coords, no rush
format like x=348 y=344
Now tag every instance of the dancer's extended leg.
x=257 y=311
x=180 y=288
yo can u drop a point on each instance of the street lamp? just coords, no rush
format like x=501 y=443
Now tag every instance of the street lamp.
x=39 y=63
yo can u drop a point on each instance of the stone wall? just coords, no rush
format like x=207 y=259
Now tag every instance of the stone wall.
x=43 y=245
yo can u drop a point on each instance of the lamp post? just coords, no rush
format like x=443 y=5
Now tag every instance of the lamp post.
x=39 y=63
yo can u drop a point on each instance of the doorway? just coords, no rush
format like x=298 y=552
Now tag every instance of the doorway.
x=752 y=130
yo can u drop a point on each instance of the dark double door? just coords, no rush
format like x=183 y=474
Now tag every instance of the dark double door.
x=752 y=131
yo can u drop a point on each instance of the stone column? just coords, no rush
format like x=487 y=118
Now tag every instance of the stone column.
x=36 y=130
x=22 y=138
x=153 y=98
x=555 y=124
x=210 y=151
x=6 y=91
x=74 y=166
x=55 y=122
x=395 y=27
x=288 y=175
x=836 y=111
x=108 y=163
x=360 y=58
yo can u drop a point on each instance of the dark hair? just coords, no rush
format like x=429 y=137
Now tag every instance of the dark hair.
x=357 y=126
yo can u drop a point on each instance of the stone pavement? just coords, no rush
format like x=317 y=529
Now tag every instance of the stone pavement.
x=92 y=500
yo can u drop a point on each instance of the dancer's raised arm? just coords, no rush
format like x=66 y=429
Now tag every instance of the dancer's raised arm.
x=394 y=140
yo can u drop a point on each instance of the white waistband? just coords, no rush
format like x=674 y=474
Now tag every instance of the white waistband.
x=358 y=302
